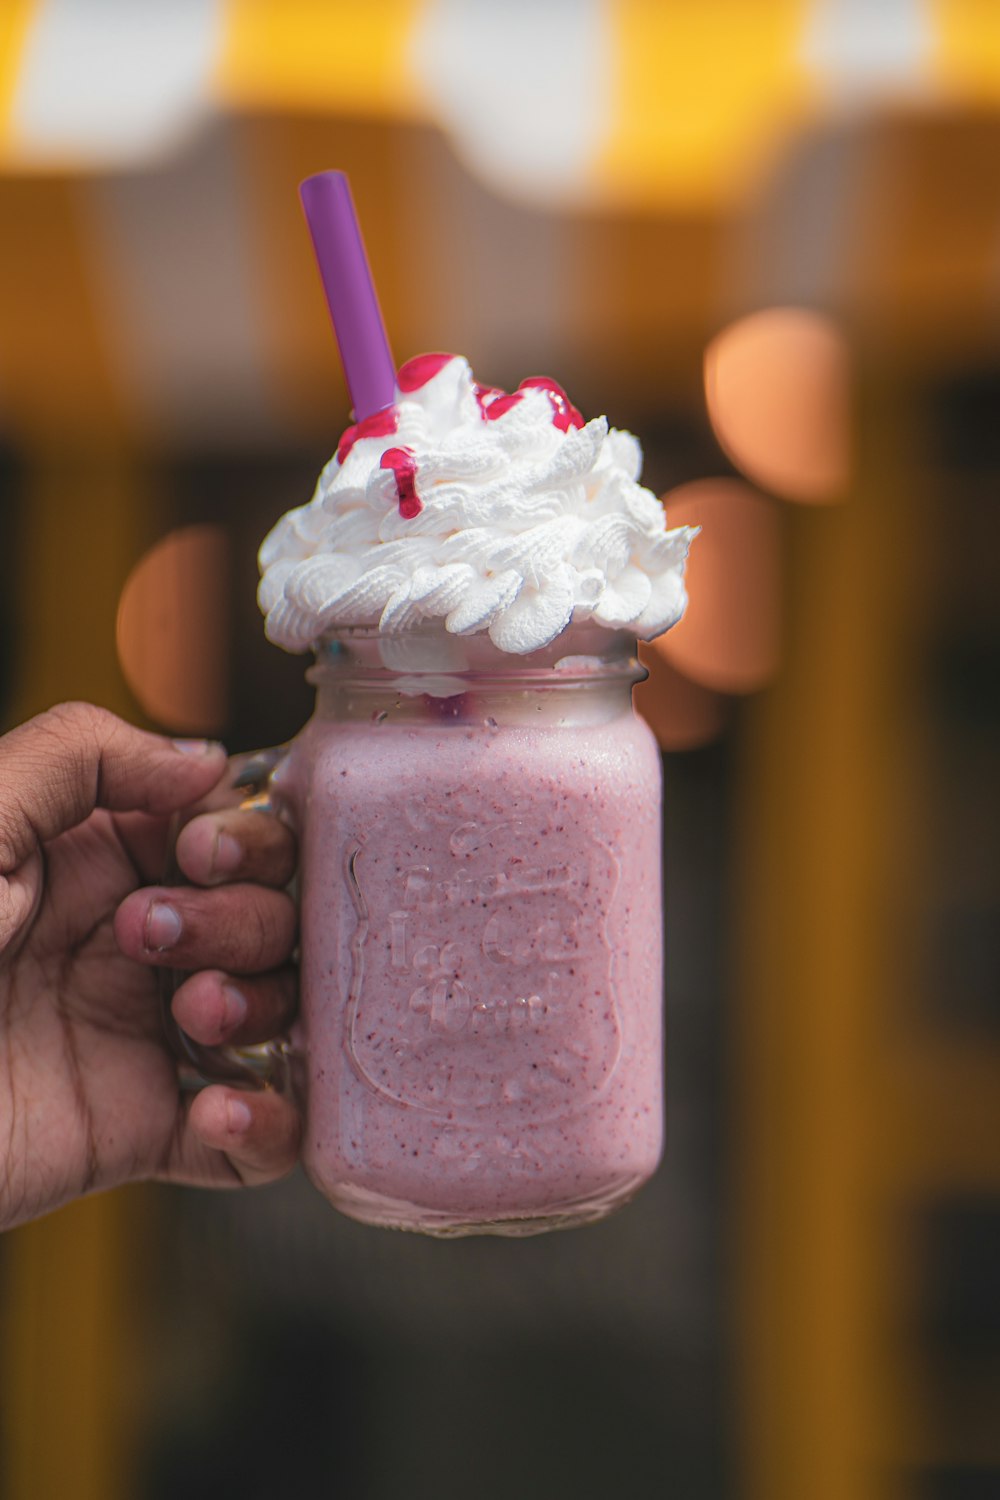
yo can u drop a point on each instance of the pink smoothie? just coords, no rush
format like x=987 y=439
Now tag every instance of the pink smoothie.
x=481 y=981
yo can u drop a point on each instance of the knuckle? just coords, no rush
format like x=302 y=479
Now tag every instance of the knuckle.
x=269 y=841
x=74 y=721
x=70 y=735
x=259 y=933
x=248 y=932
x=11 y=839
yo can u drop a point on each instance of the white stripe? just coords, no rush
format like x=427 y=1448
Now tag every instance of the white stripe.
x=865 y=48
x=171 y=259
x=497 y=255
x=523 y=86
x=106 y=82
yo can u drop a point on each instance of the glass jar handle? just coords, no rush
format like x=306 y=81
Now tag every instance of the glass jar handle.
x=270 y=1064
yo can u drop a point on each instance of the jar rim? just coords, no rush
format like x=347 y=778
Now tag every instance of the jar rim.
x=581 y=653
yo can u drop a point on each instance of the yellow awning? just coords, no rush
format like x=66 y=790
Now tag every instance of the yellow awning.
x=639 y=103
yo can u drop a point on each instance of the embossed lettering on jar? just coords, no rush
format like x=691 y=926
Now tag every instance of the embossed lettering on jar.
x=481 y=981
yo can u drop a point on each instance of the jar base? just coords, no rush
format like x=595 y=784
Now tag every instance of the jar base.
x=387 y=1213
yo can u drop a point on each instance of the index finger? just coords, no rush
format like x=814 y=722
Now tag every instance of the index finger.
x=59 y=767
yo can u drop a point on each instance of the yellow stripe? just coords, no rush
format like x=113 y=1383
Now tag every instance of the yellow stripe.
x=69 y=1359
x=16 y=17
x=810 y=1103
x=66 y=1309
x=56 y=372
x=967 y=48
x=341 y=56
x=68 y=1321
x=701 y=92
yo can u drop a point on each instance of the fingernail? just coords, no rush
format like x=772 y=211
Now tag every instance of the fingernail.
x=196 y=747
x=238 y=1116
x=227 y=855
x=163 y=927
x=234 y=1007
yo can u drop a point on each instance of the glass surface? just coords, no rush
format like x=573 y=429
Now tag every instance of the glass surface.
x=481 y=961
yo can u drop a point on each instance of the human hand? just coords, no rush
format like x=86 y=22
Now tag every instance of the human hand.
x=89 y=1089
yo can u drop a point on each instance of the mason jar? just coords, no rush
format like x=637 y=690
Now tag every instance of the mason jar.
x=481 y=949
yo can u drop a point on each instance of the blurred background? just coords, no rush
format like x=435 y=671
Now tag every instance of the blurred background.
x=765 y=236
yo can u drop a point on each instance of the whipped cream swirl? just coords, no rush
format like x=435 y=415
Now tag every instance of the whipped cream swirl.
x=486 y=511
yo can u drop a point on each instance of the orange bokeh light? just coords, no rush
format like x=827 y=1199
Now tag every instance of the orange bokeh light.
x=728 y=638
x=682 y=714
x=777 y=386
x=172 y=630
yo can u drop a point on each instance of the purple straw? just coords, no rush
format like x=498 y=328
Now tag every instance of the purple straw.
x=350 y=292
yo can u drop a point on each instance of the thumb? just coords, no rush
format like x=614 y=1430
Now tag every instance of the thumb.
x=58 y=767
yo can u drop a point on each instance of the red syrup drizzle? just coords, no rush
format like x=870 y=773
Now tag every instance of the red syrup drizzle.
x=492 y=403
x=485 y=396
x=418 y=371
x=404 y=468
x=380 y=424
x=564 y=413
x=499 y=406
